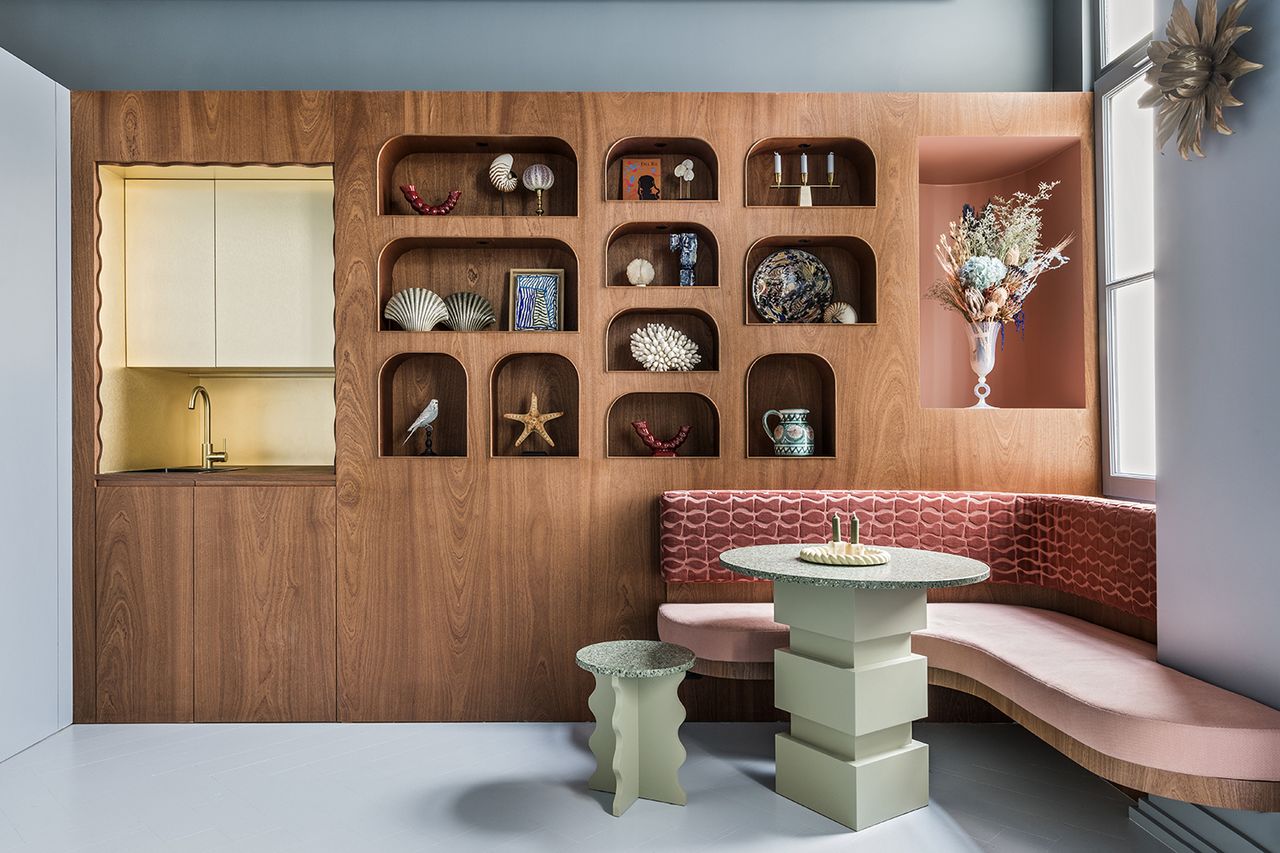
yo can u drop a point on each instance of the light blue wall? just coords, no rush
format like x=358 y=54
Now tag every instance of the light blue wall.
x=751 y=45
x=35 y=457
x=1217 y=393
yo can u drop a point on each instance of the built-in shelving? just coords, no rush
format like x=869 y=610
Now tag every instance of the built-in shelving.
x=409 y=382
x=554 y=380
x=665 y=413
x=850 y=261
x=695 y=324
x=652 y=242
x=437 y=165
x=855 y=172
x=670 y=152
x=480 y=264
x=791 y=381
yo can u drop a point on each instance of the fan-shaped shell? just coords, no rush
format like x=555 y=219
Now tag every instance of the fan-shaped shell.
x=538 y=177
x=468 y=311
x=500 y=174
x=416 y=309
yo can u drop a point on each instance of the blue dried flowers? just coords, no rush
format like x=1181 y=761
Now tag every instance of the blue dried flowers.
x=982 y=272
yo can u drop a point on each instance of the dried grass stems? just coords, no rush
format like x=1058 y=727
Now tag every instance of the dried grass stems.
x=991 y=261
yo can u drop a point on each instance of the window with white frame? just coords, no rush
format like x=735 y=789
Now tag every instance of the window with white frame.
x=1126 y=250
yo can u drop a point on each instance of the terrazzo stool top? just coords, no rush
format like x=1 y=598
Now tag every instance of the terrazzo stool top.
x=907 y=568
x=635 y=658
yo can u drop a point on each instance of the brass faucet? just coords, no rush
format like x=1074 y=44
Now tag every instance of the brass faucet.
x=207 y=453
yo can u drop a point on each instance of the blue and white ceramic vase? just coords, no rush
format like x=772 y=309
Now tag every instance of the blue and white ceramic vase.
x=791 y=435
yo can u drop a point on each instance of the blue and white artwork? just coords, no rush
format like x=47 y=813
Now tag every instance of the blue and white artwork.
x=535 y=301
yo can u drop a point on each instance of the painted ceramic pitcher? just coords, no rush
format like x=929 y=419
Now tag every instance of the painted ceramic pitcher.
x=791 y=435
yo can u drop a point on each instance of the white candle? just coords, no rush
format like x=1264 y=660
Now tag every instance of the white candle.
x=777 y=163
x=831 y=162
x=804 y=164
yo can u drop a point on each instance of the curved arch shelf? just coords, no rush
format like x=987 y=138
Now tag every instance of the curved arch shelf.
x=406 y=384
x=850 y=260
x=666 y=412
x=698 y=325
x=652 y=241
x=855 y=172
x=555 y=380
x=449 y=264
x=791 y=380
x=669 y=151
x=438 y=164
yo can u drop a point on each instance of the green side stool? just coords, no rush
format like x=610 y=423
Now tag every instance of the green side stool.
x=638 y=715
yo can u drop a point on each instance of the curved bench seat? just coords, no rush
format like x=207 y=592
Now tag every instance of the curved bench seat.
x=1141 y=723
x=731 y=640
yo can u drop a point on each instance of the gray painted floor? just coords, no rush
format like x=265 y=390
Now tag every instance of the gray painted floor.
x=513 y=786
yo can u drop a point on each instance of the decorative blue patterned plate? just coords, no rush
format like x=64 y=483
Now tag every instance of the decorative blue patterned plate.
x=791 y=286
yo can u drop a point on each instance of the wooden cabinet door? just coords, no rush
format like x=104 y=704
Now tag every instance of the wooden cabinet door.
x=144 y=603
x=265 y=596
x=275 y=273
x=169 y=270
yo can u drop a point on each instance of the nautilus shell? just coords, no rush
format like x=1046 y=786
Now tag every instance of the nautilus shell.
x=538 y=177
x=500 y=175
x=839 y=312
x=416 y=309
x=468 y=311
x=640 y=272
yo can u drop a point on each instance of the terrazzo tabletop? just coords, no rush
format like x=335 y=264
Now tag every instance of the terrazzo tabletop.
x=907 y=568
x=635 y=658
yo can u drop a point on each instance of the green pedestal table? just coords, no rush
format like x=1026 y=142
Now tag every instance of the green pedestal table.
x=849 y=677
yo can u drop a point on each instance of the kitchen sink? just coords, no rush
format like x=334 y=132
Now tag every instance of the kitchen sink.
x=186 y=469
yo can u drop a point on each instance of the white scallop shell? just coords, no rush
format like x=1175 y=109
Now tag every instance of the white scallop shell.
x=640 y=272
x=416 y=309
x=538 y=177
x=839 y=312
x=468 y=311
x=500 y=174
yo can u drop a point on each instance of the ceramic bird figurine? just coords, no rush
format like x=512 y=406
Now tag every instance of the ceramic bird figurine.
x=426 y=419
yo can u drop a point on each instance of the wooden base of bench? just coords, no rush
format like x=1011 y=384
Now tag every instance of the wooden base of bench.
x=738 y=670
x=1203 y=790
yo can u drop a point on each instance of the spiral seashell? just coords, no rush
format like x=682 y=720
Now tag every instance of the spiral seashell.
x=500 y=175
x=416 y=309
x=468 y=311
x=640 y=272
x=538 y=177
x=660 y=348
x=839 y=312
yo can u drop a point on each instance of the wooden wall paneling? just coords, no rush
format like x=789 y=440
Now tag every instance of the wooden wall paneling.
x=265 y=583
x=554 y=380
x=652 y=242
x=144 y=602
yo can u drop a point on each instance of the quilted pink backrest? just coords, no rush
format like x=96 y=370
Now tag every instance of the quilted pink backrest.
x=1099 y=549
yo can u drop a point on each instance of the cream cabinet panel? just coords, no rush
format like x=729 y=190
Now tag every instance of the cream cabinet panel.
x=169 y=273
x=274 y=274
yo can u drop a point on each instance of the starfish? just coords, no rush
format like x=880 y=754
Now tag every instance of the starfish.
x=534 y=422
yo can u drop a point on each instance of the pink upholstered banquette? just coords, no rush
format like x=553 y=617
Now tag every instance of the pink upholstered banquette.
x=1060 y=638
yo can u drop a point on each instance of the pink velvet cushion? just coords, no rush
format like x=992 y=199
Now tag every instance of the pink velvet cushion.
x=1104 y=689
x=741 y=633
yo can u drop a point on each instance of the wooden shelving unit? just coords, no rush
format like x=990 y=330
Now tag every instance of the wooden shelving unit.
x=671 y=151
x=555 y=380
x=697 y=325
x=408 y=382
x=791 y=381
x=437 y=165
x=480 y=264
x=855 y=172
x=652 y=241
x=666 y=412
x=850 y=260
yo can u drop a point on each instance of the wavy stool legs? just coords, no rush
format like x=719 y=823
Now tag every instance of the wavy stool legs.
x=636 y=741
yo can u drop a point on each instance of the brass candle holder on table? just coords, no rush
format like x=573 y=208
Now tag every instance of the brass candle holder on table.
x=806 y=189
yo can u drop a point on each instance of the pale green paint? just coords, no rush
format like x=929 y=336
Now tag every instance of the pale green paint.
x=636 y=741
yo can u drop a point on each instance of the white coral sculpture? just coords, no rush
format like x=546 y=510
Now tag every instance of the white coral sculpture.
x=660 y=348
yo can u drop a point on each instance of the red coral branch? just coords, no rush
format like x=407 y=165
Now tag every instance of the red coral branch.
x=415 y=201
x=659 y=447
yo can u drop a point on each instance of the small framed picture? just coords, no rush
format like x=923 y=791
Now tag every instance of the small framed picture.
x=641 y=179
x=537 y=303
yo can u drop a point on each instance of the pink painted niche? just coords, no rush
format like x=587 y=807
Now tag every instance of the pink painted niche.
x=1045 y=367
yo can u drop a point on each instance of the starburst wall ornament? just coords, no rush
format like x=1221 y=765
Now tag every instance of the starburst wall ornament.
x=1192 y=73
